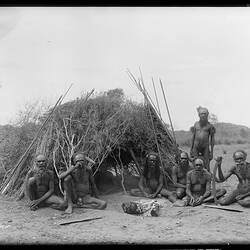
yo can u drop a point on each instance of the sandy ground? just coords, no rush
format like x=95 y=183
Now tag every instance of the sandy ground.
x=175 y=225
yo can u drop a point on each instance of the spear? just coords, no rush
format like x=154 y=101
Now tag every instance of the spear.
x=156 y=97
x=168 y=112
x=155 y=135
x=6 y=184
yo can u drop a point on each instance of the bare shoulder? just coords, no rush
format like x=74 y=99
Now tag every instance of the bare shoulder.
x=174 y=169
x=51 y=173
x=196 y=124
x=190 y=172
x=207 y=174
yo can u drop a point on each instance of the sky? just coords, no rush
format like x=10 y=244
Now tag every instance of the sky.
x=202 y=56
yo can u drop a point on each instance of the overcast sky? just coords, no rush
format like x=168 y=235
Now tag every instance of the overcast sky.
x=202 y=56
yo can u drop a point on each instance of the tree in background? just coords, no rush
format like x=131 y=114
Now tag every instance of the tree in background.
x=16 y=137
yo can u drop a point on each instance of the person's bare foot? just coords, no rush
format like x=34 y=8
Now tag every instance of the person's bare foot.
x=34 y=208
x=69 y=210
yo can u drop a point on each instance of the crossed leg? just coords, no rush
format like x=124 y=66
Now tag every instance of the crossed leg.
x=170 y=195
x=219 y=194
x=92 y=202
x=138 y=193
x=230 y=198
x=56 y=202
x=245 y=202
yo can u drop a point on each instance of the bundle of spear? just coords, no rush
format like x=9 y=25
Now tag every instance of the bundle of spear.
x=167 y=158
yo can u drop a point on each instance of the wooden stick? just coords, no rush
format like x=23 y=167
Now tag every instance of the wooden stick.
x=156 y=97
x=136 y=163
x=168 y=111
x=222 y=208
x=24 y=156
x=214 y=185
x=150 y=101
x=155 y=135
x=78 y=221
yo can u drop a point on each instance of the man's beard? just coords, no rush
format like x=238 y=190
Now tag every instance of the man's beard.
x=41 y=172
x=184 y=164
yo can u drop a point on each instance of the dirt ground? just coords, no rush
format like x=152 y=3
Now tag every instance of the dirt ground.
x=175 y=225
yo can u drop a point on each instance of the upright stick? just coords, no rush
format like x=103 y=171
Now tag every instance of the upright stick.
x=155 y=135
x=23 y=157
x=156 y=97
x=168 y=112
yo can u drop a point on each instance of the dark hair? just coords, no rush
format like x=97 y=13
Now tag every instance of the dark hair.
x=241 y=151
x=73 y=162
x=157 y=167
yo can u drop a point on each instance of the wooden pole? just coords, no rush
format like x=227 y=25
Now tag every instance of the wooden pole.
x=25 y=155
x=168 y=112
x=156 y=97
x=155 y=135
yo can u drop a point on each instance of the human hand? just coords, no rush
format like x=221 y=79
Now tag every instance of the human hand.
x=192 y=200
x=147 y=195
x=198 y=201
x=218 y=159
x=153 y=195
x=34 y=204
x=239 y=197
x=78 y=164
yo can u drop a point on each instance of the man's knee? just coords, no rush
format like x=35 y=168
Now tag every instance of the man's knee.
x=180 y=193
x=225 y=201
x=244 y=203
x=221 y=192
x=103 y=205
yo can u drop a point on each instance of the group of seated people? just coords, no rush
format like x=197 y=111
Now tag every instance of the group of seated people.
x=190 y=183
x=79 y=187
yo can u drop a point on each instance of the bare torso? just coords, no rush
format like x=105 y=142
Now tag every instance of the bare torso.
x=152 y=182
x=181 y=173
x=198 y=181
x=202 y=133
x=243 y=174
x=81 y=181
x=43 y=178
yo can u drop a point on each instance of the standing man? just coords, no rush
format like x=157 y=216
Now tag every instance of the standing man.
x=80 y=187
x=241 y=169
x=203 y=138
x=39 y=186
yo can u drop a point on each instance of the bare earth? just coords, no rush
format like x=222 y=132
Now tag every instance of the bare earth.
x=188 y=225
x=175 y=225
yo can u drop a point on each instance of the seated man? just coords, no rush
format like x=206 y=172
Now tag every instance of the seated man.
x=242 y=170
x=79 y=186
x=199 y=185
x=151 y=181
x=39 y=186
x=179 y=175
